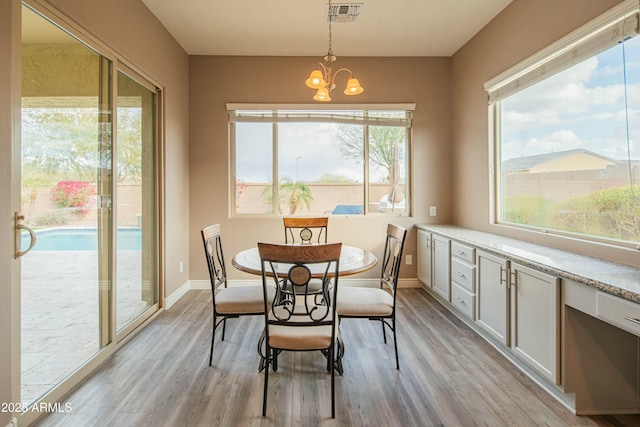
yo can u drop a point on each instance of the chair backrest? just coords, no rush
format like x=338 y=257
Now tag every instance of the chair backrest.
x=304 y=228
x=392 y=257
x=215 y=258
x=299 y=304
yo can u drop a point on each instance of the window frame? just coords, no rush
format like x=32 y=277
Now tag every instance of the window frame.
x=366 y=121
x=585 y=42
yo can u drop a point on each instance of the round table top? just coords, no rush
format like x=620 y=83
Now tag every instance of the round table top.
x=352 y=260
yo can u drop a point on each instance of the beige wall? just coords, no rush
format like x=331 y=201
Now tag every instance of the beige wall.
x=523 y=28
x=215 y=81
x=129 y=29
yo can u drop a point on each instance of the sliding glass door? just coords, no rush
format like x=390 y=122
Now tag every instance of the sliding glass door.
x=136 y=189
x=89 y=146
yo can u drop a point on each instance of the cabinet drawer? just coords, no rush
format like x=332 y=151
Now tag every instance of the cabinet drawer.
x=618 y=311
x=463 y=274
x=463 y=300
x=464 y=252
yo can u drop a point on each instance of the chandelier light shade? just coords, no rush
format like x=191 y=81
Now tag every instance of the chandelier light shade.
x=316 y=80
x=353 y=87
x=323 y=78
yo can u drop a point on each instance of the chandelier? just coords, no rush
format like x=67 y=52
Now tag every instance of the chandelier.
x=322 y=78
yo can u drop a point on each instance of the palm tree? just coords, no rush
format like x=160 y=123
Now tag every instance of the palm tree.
x=293 y=193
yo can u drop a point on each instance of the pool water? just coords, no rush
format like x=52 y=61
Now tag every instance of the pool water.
x=80 y=239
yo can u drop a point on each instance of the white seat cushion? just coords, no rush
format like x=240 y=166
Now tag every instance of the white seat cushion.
x=300 y=337
x=363 y=302
x=241 y=300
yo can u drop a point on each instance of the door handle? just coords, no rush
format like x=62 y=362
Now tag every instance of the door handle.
x=18 y=235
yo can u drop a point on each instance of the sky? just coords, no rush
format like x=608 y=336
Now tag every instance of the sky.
x=581 y=107
x=306 y=152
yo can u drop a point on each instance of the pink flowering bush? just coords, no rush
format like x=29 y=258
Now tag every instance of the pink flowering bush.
x=73 y=194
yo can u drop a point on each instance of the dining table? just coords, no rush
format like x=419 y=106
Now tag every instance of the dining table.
x=353 y=260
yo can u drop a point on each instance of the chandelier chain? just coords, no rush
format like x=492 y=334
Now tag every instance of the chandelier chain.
x=330 y=16
x=323 y=79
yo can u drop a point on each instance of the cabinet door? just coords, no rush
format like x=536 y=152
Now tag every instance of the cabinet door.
x=424 y=258
x=492 y=295
x=534 y=319
x=441 y=267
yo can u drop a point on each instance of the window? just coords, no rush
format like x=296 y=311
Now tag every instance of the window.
x=352 y=162
x=567 y=128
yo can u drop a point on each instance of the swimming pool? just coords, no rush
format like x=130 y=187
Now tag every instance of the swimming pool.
x=80 y=239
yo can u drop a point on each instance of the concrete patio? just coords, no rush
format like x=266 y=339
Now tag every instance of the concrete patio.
x=60 y=307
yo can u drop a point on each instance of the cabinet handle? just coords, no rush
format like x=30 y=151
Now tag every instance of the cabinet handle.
x=459 y=252
x=460 y=300
x=514 y=279
x=631 y=319
x=460 y=274
x=503 y=279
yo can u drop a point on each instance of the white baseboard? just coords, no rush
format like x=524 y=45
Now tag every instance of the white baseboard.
x=13 y=423
x=199 y=284
x=176 y=295
x=205 y=285
x=409 y=283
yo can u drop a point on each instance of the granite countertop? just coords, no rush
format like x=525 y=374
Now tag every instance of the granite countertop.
x=616 y=279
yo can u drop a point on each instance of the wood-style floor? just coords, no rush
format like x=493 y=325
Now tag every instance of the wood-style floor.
x=448 y=376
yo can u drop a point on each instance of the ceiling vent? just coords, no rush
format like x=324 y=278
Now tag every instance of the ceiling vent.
x=343 y=12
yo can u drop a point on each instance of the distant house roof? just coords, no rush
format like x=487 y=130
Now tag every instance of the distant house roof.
x=522 y=164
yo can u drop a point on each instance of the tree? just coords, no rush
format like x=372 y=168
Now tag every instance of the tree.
x=384 y=147
x=333 y=177
x=292 y=193
x=62 y=144
x=58 y=144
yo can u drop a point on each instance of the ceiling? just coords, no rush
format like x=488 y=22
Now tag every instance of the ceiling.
x=300 y=27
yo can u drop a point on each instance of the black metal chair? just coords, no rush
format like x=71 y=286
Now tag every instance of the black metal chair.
x=228 y=302
x=300 y=319
x=305 y=228
x=378 y=303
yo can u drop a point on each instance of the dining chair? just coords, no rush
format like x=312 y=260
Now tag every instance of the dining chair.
x=304 y=228
x=228 y=302
x=300 y=319
x=378 y=303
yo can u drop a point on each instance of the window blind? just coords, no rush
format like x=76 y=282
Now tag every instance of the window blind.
x=389 y=116
x=569 y=51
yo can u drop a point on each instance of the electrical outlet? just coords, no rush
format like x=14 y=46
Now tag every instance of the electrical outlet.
x=181 y=266
x=432 y=210
x=409 y=259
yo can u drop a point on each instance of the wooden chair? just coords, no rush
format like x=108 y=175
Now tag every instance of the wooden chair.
x=378 y=303
x=300 y=319
x=305 y=228
x=228 y=302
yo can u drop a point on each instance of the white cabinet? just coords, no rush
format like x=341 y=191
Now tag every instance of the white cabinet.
x=463 y=275
x=535 y=321
x=579 y=342
x=519 y=306
x=425 y=258
x=441 y=247
x=492 y=296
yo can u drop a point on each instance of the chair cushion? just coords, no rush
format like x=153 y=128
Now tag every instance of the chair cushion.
x=300 y=337
x=241 y=300
x=364 y=302
x=315 y=286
